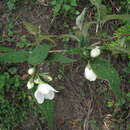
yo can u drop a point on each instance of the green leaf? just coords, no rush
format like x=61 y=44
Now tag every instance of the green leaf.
x=105 y=71
x=48 y=108
x=118 y=49
x=66 y=8
x=124 y=17
x=103 y=11
x=31 y=28
x=75 y=50
x=39 y=54
x=68 y=36
x=86 y=27
x=73 y=3
x=96 y=2
x=128 y=95
x=59 y=58
x=2 y=81
x=5 y=49
x=42 y=37
x=14 y=57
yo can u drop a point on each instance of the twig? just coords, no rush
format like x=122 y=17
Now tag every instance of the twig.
x=109 y=39
x=57 y=51
x=86 y=121
x=114 y=37
x=96 y=43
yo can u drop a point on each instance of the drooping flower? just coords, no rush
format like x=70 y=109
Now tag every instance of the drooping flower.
x=31 y=71
x=44 y=91
x=89 y=73
x=30 y=84
x=95 y=52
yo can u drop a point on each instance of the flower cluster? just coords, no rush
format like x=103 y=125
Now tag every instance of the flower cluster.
x=89 y=73
x=44 y=90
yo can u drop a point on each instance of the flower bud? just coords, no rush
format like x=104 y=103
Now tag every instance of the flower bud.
x=95 y=52
x=37 y=80
x=30 y=84
x=31 y=71
x=47 y=77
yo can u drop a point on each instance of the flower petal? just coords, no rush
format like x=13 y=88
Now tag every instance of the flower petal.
x=80 y=19
x=39 y=96
x=45 y=88
x=50 y=95
x=95 y=52
x=89 y=74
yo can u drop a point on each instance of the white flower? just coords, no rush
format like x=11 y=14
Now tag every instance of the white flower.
x=95 y=52
x=80 y=19
x=31 y=71
x=89 y=74
x=30 y=84
x=44 y=91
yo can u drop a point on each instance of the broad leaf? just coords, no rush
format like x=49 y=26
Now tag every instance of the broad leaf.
x=105 y=70
x=39 y=54
x=14 y=57
x=31 y=28
x=59 y=58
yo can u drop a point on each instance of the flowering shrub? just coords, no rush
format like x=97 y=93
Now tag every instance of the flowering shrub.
x=96 y=66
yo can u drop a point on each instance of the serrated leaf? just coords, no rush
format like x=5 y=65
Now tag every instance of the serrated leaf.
x=39 y=54
x=31 y=28
x=106 y=71
x=14 y=57
x=59 y=58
